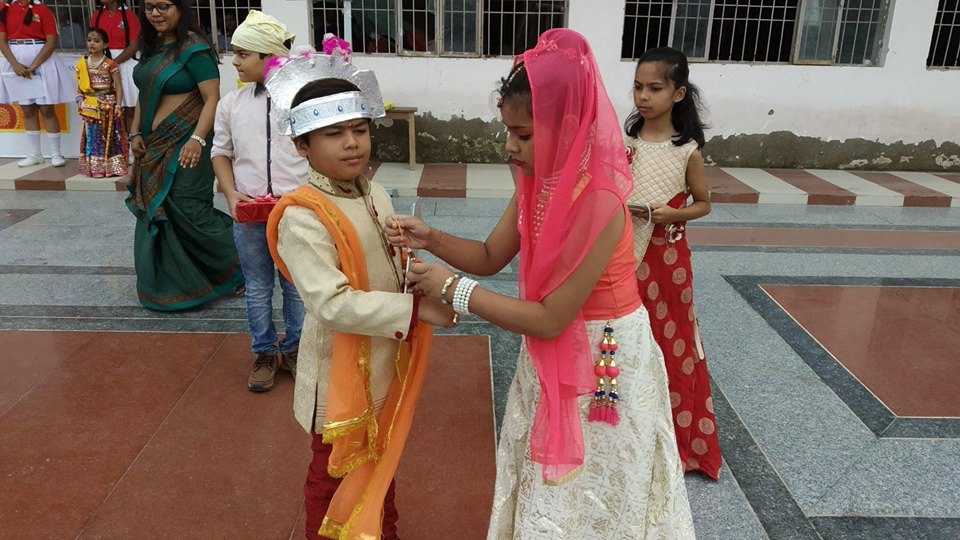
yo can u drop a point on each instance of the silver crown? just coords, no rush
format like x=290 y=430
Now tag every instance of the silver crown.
x=287 y=75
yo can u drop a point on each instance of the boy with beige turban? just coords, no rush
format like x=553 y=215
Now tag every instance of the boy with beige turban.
x=255 y=165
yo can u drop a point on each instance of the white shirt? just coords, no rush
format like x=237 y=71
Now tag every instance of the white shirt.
x=254 y=148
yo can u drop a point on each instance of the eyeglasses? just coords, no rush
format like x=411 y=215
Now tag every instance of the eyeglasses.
x=159 y=8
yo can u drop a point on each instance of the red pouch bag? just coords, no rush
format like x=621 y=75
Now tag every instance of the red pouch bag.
x=257 y=210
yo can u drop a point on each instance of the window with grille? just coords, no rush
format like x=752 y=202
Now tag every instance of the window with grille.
x=945 y=43
x=774 y=31
x=73 y=18
x=439 y=27
x=219 y=18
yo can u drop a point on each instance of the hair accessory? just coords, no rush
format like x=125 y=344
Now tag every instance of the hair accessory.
x=604 y=407
x=516 y=69
x=286 y=75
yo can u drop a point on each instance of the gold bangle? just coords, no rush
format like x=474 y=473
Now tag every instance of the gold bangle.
x=446 y=285
x=456 y=318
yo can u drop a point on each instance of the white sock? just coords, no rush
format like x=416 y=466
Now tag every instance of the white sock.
x=33 y=137
x=54 y=140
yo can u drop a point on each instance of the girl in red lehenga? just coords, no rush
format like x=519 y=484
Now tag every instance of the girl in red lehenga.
x=666 y=135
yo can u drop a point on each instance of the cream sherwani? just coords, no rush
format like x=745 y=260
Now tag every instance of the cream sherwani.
x=332 y=305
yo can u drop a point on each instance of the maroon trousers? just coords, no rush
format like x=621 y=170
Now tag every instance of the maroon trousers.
x=319 y=489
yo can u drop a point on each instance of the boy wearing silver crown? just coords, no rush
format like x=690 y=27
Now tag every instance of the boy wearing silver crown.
x=254 y=164
x=362 y=355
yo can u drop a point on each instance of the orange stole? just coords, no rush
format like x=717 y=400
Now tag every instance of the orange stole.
x=366 y=450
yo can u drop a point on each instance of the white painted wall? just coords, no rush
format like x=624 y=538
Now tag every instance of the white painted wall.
x=900 y=100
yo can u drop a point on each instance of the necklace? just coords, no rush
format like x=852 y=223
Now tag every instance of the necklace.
x=94 y=65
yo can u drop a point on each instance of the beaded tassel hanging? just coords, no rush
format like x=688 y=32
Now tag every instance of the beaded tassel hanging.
x=606 y=399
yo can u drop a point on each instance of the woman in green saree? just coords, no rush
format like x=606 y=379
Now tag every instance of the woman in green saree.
x=183 y=247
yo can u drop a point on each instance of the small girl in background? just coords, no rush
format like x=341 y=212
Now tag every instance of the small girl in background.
x=103 y=141
x=665 y=137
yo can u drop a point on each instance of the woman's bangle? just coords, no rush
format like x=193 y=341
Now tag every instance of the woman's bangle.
x=446 y=285
x=134 y=135
x=462 y=294
x=199 y=139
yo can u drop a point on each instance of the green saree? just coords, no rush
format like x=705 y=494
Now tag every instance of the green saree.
x=183 y=247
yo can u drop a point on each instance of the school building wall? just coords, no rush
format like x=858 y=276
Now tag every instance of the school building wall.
x=897 y=115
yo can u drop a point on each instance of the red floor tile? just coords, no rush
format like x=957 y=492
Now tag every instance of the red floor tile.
x=900 y=342
x=443 y=180
x=156 y=436
x=819 y=191
x=39 y=185
x=724 y=188
x=829 y=238
x=70 y=440
x=913 y=194
x=446 y=477
x=226 y=463
x=29 y=357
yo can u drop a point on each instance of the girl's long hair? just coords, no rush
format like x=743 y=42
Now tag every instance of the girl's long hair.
x=27 y=17
x=122 y=7
x=685 y=115
x=150 y=38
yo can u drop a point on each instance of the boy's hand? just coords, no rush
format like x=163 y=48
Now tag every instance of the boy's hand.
x=234 y=197
x=434 y=313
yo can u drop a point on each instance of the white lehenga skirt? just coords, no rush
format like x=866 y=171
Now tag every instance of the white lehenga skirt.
x=631 y=484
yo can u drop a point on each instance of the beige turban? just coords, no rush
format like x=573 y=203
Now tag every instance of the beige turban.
x=263 y=34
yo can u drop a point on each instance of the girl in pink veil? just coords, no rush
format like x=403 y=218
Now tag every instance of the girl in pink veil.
x=587 y=448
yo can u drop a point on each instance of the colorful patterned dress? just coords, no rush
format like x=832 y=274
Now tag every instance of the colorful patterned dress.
x=665 y=281
x=103 y=141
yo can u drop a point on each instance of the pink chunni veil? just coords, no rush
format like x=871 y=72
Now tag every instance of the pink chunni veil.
x=581 y=180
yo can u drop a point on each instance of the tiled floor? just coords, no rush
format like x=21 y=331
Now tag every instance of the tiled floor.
x=473 y=180
x=145 y=435
x=831 y=333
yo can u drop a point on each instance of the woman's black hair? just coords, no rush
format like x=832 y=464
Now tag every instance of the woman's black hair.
x=122 y=7
x=150 y=38
x=515 y=85
x=686 y=113
x=27 y=17
x=103 y=36
x=321 y=88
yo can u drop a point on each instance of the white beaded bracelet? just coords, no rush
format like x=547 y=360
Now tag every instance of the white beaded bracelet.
x=461 y=295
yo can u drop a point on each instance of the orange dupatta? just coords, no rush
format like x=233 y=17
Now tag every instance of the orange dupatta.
x=366 y=451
